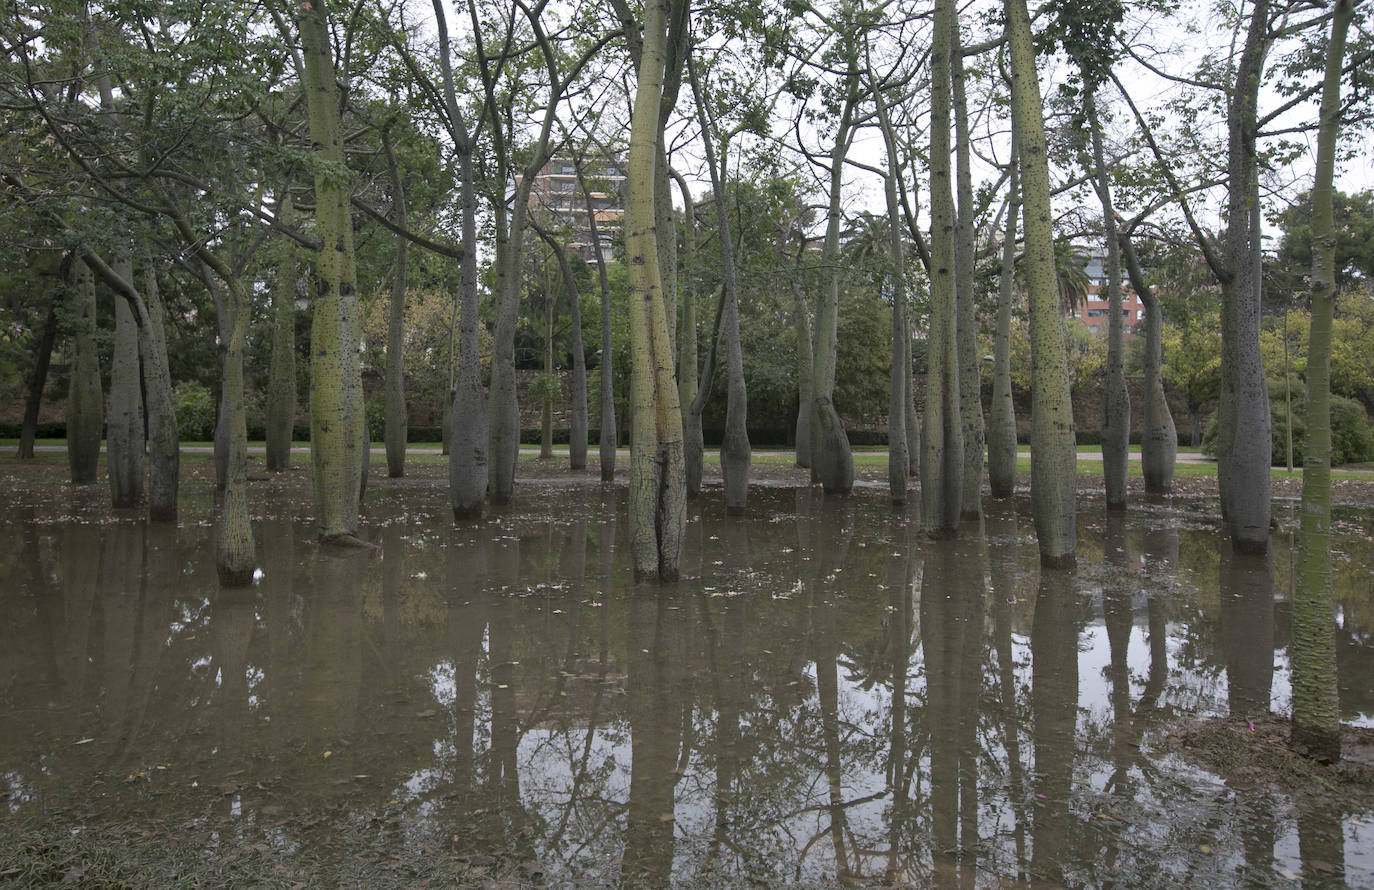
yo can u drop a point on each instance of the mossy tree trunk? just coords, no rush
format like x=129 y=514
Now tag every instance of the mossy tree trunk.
x=1316 y=705
x=657 y=476
x=86 y=396
x=1053 y=450
x=1002 y=412
x=1116 y=401
x=281 y=381
x=1159 y=438
x=337 y=425
x=235 y=556
x=942 y=442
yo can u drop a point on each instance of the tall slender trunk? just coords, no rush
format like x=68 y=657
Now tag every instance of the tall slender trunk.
x=1002 y=411
x=465 y=425
x=970 y=369
x=235 y=556
x=687 y=378
x=85 y=398
x=693 y=445
x=164 y=447
x=1159 y=439
x=281 y=385
x=396 y=428
x=1053 y=450
x=337 y=427
x=806 y=373
x=832 y=459
x=37 y=382
x=898 y=403
x=577 y=421
x=1116 y=401
x=224 y=328
x=606 y=437
x=124 y=409
x=942 y=445
x=657 y=474
x=735 y=451
x=546 y=410
x=1243 y=440
x=1316 y=705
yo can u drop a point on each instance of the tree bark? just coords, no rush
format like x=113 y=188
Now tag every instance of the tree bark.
x=235 y=556
x=687 y=378
x=606 y=439
x=337 y=426
x=124 y=449
x=970 y=372
x=164 y=446
x=657 y=479
x=41 y=359
x=396 y=431
x=1159 y=439
x=85 y=399
x=1053 y=450
x=1002 y=411
x=806 y=373
x=281 y=385
x=1116 y=401
x=942 y=445
x=1316 y=705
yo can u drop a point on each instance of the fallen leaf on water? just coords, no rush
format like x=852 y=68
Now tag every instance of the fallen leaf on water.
x=427 y=713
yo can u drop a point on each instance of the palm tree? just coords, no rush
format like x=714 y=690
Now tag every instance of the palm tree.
x=1070 y=276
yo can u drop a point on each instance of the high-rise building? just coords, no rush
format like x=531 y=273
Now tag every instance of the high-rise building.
x=561 y=204
x=1094 y=312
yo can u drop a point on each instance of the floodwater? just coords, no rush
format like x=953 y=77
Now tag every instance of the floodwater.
x=826 y=699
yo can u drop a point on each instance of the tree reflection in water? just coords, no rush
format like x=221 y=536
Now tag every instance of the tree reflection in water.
x=825 y=697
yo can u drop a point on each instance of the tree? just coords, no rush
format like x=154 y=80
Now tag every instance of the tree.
x=1053 y=449
x=1002 y=412
x=1316 y=706
x=1159 y=438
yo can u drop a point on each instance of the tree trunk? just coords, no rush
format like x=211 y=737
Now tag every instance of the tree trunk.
x=41 y=359
x=687 y=379
x=970 y=369
x=1316 y=705
x=281 y=385
x=693 y=444
x=657 y=484
x=577 y=422
x=1243 y=440
x=1053 y=450
x=235 y=558
x=164 y=446
x=806 y=374
x=224 y=329
x=735 y=451
x=465 y=421
x=606 y=438
x=898 y=402
x=124 y=449
x=85 y=399
x=397 y=428
x=337 y=425
x=1116 y=401
x=546 y=410
x=942 y=445
x=1002 y=411
x=1159 y=439
x=832 y=459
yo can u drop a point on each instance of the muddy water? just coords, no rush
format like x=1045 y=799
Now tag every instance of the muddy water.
x=825 y=699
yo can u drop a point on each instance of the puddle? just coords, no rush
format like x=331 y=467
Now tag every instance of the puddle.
x=825 y=698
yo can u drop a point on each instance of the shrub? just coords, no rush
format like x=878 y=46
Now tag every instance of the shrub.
x=196 y=411
x=1352 y=440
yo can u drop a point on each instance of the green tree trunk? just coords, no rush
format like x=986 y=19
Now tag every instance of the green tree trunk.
x=898 y=395
x=85 y=399
x=281 y=382
x=1159 y=439
x=606 y=440
x=970 y=372
x=1053 y=450
x=1116 y=401
x=657 y=500
x=337 y=428
x=693 y=445
x=942 y=445
x=235 y=556
x=1002 y=411
x=164 y=446
x=806 y=373
x=1316 y=706
x=546 y=410
x=687 y=378
x=396 y=425
x=124 y=408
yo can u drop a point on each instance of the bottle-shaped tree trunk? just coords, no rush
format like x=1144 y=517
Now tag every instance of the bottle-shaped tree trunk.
x=164 y=446
x=124 y=408
x=606 y=437
x=1159 y=438
x=970 y=369
x=396 y=425
x=1053 y=450
x=235 y=556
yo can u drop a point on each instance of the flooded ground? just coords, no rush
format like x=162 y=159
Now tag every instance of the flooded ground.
x=826 y=699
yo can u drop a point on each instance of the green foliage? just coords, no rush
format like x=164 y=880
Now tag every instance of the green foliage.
x=1288 y=274
x=1352 y=439
x=196 y=411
